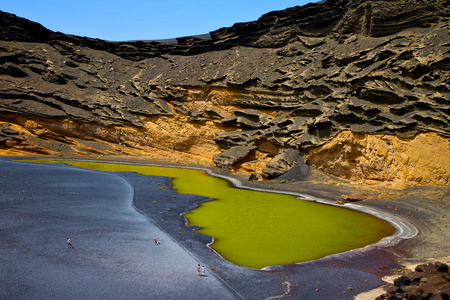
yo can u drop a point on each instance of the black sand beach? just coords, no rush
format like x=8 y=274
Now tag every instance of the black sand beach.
x=114 y=255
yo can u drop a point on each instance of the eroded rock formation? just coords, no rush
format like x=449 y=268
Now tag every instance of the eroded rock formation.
x=309 y=79
x=385 y=159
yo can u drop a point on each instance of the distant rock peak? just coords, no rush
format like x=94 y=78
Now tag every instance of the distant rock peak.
x=333 y=18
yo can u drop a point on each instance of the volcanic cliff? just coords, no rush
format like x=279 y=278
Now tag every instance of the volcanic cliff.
x=358 y=89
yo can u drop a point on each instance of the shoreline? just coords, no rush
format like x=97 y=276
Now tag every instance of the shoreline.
x=113 y=254
x=396 y=255
x=404 y=229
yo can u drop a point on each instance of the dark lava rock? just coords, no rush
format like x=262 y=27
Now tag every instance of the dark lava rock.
x=428 y=281
x=7 y=133
x=6 y=129
x=231 y=139
x=299 y=172
x=295 y=77
x=248 y=118
x=355 y=197
x=233 y=155
x=284 y=162
x=255 y=177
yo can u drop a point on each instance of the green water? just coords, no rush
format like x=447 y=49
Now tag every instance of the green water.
x=258 y=229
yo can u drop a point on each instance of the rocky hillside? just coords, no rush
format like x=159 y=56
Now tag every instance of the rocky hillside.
x=358 y=89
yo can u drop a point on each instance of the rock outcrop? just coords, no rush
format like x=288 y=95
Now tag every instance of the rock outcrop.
x=385 y=159
x=428 y=281
x=293 y=80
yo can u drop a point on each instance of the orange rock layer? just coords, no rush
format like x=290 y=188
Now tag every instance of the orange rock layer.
x=385 y=159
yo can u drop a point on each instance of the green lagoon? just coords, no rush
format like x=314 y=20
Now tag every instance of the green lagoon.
x=258 y=229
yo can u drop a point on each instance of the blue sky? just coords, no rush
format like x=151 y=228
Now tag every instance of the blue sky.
x=121 y=20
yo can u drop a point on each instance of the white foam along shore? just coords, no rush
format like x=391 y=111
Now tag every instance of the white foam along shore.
x=404 y=229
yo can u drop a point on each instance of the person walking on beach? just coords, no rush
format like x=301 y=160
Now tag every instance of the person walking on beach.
x=198 y=270
x=69 y=244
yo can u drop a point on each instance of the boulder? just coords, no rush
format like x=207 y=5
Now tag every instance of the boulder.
x=232 y=155
x=255 y=177
x=428 y=281
x=283 y=162
x=355 y=197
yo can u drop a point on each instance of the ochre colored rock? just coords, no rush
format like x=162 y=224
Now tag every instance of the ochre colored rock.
x=291 y=81
x=395 y=162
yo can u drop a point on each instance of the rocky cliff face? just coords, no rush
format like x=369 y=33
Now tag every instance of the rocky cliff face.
x=348 y=86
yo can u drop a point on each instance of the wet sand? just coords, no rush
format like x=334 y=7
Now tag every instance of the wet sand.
x=334 y=277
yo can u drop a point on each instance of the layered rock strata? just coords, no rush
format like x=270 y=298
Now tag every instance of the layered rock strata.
x=310 y=79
